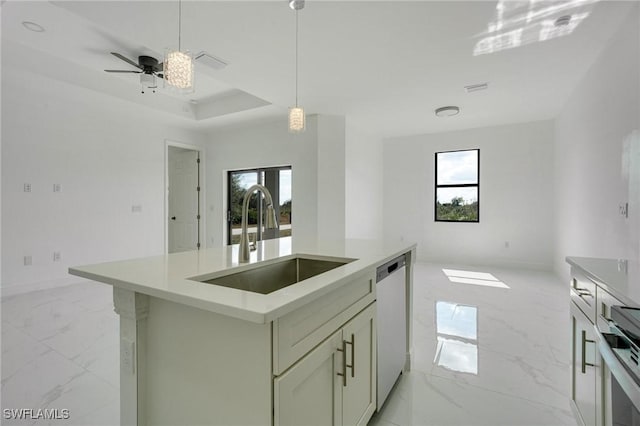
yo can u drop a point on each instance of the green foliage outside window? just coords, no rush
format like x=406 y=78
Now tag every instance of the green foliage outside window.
x=457 y=211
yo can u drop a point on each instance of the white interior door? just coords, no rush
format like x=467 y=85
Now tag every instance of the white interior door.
x=183 y=199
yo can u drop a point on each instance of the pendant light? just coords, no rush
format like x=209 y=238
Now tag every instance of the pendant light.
x=297 y=122
x=178 y=65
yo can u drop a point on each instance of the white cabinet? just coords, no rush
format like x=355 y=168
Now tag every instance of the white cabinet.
x=228 y=371
x=309 y=393
x=590 y=308
x=359 y=398
x=583 y=372
x=334 y=384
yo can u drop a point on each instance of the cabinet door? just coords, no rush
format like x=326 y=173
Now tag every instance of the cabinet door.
x=359 y=395
x=583 y=369
x=310 y=393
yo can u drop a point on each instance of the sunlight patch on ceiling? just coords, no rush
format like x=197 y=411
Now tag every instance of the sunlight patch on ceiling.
x=518 y=23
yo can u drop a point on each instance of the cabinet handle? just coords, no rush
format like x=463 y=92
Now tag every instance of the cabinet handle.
x=344 y=363
x=344 y=359
x=353 y=355
x=583 y=292
x=584 y=351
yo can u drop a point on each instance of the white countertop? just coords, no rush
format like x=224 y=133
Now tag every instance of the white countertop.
x=620 y=277
x=167 y=276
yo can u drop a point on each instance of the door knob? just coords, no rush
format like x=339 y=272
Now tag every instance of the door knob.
x=173 y=218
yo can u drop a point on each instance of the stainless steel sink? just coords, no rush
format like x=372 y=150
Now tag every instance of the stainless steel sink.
x=270 y=277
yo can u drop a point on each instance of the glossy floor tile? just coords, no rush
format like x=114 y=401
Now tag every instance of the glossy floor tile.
x=60 y=351
x=490 y=348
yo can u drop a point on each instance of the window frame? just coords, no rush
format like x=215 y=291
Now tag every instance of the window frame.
x=464 y=185
x=258 y=171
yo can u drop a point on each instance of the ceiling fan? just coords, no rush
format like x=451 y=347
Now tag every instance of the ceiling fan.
x=148 y=68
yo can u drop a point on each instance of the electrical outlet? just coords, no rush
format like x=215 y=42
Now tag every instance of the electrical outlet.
x=57 y=187
x=57 y=256
x=624 y=209
x=507 y=244
x=28 y=261
x=27 y=187
x=127 y=356
x=136 y=208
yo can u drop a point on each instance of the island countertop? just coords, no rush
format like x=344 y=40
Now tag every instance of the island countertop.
x=167 y=276
x=620 y=277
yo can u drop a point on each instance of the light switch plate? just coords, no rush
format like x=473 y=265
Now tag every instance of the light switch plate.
x=127 y=356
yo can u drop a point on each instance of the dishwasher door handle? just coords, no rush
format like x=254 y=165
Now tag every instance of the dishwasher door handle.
x=392 y=268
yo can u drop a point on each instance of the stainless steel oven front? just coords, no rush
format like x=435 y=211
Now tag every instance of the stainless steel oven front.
x=619 y=349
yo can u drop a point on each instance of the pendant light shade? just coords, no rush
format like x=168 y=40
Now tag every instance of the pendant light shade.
x=178 y=66
x=178 y=70
x=297 y=121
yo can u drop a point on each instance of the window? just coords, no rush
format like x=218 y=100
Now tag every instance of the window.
x=278 y=181
x=457 y=189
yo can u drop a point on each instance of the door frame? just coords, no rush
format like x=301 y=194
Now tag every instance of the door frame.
x=201 y=193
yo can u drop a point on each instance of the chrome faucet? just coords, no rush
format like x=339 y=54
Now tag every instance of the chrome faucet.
x=270 y=219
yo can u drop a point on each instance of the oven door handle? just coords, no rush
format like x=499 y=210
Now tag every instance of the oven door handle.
x=626 y=382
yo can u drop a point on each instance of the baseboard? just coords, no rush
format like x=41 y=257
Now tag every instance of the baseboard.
x=490 y=262
x=9 y=290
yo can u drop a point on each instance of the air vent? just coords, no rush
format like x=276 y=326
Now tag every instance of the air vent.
x=476 y=87
x=210 y=61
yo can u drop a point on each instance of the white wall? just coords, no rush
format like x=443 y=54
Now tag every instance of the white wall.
x=331 y=177
x=364 y=184
x=597 y=156
x=516 y=192
x=108 y=155
x=318 y=172
x=263 y=145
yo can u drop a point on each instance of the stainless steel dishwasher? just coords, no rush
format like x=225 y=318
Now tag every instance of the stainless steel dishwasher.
x=392 y=324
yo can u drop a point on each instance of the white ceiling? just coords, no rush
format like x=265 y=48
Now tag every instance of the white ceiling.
x=384 y=64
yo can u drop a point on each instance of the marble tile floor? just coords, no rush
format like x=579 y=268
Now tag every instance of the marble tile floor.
x=491 y=347
x=488 y=350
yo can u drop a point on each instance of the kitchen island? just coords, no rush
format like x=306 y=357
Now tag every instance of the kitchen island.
x=193 y=352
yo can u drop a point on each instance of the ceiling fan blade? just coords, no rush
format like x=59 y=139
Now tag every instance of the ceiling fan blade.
x=117 y=55
x=125 y=71
x=160 y=67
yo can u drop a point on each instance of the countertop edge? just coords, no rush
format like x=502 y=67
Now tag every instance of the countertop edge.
x=244 y=313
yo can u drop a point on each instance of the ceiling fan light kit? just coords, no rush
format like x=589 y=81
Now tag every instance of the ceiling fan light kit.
x=147 y=67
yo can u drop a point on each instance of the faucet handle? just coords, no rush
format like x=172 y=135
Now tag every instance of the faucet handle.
x=252 y=243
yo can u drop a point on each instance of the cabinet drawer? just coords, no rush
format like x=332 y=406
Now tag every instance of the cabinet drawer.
x=583 y=294
x=604 y=302
x=297 y=332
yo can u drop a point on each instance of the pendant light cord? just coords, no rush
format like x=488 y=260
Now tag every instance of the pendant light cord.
x=179 y=24
x=296 y=58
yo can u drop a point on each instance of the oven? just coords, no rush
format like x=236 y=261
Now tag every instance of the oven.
x=620 y=351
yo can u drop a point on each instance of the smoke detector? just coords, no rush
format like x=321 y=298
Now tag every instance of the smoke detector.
x=562 y=21
x=447 y=111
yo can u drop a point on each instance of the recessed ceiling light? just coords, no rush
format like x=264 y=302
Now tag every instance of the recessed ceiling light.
x=447 y=111
x=296 y=4
x=476 y=87
x=562 y=21
x=32 y=26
